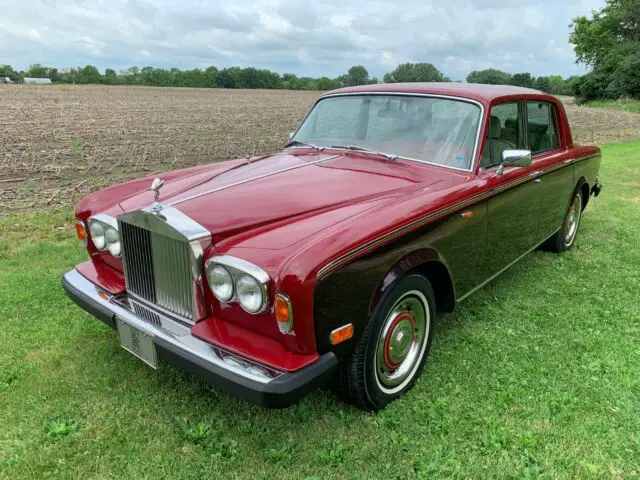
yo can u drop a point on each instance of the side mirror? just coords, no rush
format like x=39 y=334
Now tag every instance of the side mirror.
x=514 y=158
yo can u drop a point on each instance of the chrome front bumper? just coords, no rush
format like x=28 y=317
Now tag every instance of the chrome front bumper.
x=173 y=340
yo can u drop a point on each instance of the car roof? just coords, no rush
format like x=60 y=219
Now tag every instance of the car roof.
x=475 y=91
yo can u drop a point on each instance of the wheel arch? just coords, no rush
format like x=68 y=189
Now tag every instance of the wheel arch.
x=581 y=186
x=351 y=293
x=428 y=263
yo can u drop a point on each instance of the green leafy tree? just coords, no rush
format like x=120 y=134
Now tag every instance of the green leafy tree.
x=210 y=76
x=490 y=76
x=415 y=72
x=89 y=74
x=8 y=71
x=110 y=77
x=523 y=80
x=357 y=75
x=226 y=79
x=543 y=84
x=37 y=71
x=609 y=43
x=325 y=83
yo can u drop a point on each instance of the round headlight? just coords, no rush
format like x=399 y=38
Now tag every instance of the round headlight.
x=97 y=234
x=249 y=294
x=112 y=238
x=220 y=282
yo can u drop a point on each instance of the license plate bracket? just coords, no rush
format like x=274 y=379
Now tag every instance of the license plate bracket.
x=137 y=342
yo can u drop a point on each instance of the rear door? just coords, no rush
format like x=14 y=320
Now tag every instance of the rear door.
x=514 y=207
x=553 y=169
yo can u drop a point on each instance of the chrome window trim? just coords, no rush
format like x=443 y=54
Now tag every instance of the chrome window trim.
x=406 y=94
x=238 y=267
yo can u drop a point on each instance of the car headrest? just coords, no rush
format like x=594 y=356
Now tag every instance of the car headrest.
x=496 y=127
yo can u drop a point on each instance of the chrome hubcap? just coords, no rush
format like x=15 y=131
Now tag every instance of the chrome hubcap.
x=402 y=342
x=573 y=219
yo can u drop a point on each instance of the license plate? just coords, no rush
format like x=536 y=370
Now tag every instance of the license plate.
x=137 y=342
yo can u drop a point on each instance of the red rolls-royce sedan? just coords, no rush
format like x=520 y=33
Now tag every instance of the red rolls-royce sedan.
x=329 y=261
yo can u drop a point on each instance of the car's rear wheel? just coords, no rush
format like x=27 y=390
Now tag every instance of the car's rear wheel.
x=564 y=238
x=392 y=350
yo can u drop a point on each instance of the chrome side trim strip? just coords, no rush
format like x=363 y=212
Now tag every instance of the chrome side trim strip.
x=329 y=267
x=173 y=333
x=500 y=272
x=241 y=182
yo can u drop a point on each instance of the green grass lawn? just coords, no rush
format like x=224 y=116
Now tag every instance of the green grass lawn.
x=536 y=375
x=625 y=105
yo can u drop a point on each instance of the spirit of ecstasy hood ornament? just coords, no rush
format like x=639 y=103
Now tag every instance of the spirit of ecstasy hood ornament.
x=155 y=187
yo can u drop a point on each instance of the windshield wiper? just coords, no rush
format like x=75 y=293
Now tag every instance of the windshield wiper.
x=357 y=148
x=293 y=143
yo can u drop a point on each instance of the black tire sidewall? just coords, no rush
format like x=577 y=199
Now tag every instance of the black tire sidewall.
x=563 y=231
x=378 y=398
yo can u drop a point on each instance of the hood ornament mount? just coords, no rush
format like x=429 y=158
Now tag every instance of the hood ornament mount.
x=155 y=187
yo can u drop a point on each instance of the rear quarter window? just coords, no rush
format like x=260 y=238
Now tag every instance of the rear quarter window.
x=542 y=128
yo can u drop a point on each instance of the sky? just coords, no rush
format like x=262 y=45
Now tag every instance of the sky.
x=314 y=38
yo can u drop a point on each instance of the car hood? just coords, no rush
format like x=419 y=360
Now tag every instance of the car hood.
x=237 y=196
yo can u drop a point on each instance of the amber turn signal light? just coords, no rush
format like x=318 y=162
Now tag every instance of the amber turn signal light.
x=284 y=313
x=341 y=334
x=81 y=231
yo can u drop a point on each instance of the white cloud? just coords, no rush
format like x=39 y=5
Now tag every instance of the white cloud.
x=322 y=37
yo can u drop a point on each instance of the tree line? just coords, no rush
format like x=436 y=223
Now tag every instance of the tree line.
x=608 y=42
x=237 y=77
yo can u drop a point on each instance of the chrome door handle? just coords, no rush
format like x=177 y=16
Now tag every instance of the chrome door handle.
x=537 y=172
x=537 y=180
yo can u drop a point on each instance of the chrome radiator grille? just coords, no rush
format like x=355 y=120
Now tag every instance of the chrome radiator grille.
x=158 y=269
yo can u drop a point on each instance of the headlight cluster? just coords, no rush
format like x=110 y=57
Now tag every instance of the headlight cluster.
x=104 y=234
x=233 y=279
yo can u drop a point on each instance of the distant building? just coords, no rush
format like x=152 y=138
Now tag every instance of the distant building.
x=37 y=81
x=5 y=80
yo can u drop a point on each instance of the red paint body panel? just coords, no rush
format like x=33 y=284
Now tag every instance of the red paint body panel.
x=109 y=279
x=251 y=344
x=296 y=212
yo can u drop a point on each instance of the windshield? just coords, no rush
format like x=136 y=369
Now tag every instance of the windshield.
x=430 y=129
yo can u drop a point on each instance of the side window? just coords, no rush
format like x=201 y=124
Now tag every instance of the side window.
x=542 y=130
x=503 y=134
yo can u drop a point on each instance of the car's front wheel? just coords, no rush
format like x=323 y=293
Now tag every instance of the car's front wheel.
x=392 y=350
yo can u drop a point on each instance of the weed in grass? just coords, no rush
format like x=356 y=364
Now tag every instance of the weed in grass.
x=336 y=454
x=196 y=432
x=225 y=447
x=281 y=453
x=7 y=380
x=60 y=427
x=77 y=146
